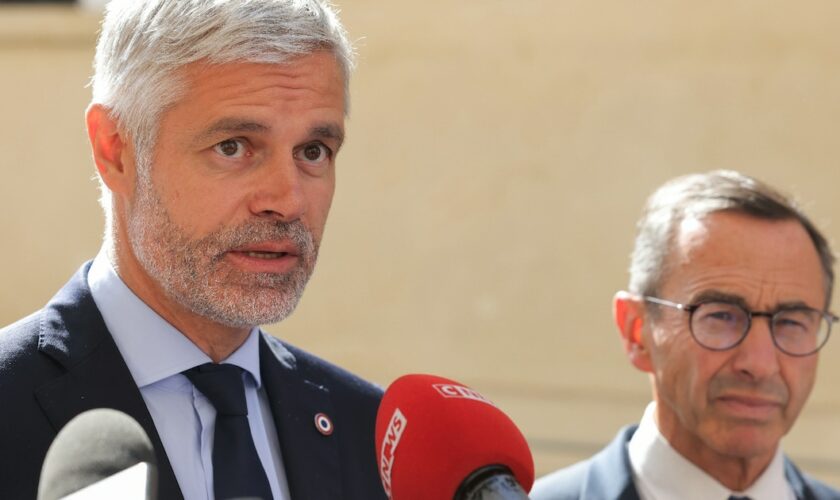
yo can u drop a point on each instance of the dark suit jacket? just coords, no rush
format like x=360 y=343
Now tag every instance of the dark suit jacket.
x=62 y=361
x=609 y=476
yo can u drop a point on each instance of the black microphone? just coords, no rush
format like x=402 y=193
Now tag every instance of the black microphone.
x=491 y=482
x=100 y=449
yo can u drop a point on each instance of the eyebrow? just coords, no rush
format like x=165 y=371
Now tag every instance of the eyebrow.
x=231 y=126
x=718 y=296
x=328 y=131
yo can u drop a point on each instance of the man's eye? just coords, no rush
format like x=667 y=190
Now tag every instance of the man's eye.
x=230 y=148
x=315 y=152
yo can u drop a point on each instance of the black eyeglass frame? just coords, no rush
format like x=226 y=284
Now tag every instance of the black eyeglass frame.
x=829 y=317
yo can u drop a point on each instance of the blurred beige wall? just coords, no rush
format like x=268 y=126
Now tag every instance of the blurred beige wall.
x=499 y=153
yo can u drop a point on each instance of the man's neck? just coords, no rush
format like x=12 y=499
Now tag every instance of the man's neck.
x=735 y=472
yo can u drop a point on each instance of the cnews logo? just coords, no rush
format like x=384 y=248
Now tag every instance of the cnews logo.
x=459 y=391
x=389 y=445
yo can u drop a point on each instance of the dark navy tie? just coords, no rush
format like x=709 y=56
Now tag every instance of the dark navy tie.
x=736 y=497
x=237 y=470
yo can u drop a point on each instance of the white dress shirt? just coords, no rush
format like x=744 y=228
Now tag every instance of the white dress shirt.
x=661 y=473
x=156 y=354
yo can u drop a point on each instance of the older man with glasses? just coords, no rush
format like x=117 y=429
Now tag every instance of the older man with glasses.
x=726 y=310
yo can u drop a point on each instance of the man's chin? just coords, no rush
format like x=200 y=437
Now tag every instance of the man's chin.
x=747 y=441
x=240 y=320
x=264 y=307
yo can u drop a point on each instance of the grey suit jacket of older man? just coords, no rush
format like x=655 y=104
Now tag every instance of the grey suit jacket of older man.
x=609 y=476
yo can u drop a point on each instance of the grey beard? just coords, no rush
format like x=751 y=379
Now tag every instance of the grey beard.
x=194 y=273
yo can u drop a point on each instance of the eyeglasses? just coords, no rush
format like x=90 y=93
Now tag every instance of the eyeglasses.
x=719 y=326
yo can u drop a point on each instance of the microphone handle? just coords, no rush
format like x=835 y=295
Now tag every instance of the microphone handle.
x=492 y=482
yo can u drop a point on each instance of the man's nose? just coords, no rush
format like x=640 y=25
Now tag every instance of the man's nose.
x=278 y=189
x=757 y=355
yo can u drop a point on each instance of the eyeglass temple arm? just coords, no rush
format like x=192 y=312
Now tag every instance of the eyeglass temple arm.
x=664 y=302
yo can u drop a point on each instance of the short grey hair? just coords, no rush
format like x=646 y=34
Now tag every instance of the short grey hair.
x=698 y=195
x=143 y=43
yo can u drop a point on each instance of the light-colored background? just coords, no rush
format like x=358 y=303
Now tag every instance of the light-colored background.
x=499 y=153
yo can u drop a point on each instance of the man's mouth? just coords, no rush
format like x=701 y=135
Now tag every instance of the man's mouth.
x=750 y=407
x=276 y=257
x=265 y=255
x=268 y=250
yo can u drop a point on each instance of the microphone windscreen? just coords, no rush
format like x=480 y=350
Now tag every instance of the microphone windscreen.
x=94 y=445
x=432 y=433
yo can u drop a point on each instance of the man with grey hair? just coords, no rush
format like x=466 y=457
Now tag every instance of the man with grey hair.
x=727 y=308
x=214 y=127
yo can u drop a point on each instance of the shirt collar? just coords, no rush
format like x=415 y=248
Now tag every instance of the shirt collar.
x=152 y=348
x=667 y=474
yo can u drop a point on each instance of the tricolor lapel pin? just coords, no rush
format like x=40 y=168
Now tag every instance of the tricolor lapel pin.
x=323 y=424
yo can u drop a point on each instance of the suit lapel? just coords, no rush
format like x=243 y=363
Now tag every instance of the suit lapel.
x=310 y=458
x=74 y=335
x=797 y=482
x=610 y=475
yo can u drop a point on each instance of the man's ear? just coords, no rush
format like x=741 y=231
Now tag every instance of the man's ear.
x=629 y=314
x=110 y=150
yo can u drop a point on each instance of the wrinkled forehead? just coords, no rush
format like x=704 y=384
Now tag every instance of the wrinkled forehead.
x=762 y=259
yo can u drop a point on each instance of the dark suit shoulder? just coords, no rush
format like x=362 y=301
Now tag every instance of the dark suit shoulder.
x=22 y=365
x=19 y=338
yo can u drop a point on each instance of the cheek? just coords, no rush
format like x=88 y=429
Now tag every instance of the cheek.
x=799 y=376
x=683 y=371
x=197 y=207
x=679 y=372
x=670 y=347
x=324 y=189
x=319 y=199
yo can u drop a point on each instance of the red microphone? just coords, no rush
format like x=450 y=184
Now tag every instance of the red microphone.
x=437 y=439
